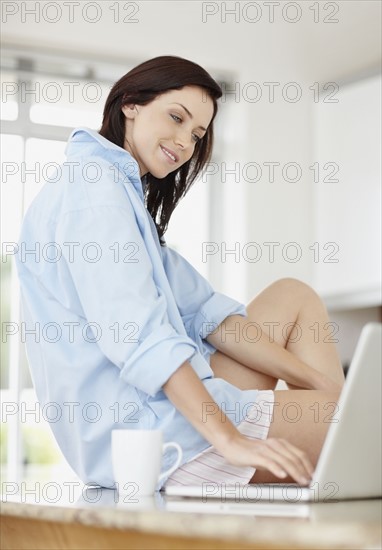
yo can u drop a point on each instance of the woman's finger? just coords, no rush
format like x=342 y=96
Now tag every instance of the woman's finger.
x=302 y=455
x=285 y=461
x=294 y=454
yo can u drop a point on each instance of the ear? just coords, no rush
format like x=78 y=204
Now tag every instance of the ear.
x=129 y=110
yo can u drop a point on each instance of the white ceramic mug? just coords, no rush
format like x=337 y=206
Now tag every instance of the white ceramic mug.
x=137 y=458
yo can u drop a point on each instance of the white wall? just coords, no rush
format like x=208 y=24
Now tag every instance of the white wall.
x=348 y=211
x=280 y=211
x=265 y=51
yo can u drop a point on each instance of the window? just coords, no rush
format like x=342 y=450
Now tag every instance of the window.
x=42 y=101
x=43 y=98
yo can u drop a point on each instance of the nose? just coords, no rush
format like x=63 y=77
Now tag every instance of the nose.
x=183 y=139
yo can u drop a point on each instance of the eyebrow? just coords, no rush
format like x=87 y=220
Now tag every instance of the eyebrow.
x=190 y=115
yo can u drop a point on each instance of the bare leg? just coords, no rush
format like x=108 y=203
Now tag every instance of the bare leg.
x=294 y=317
x=303 y=418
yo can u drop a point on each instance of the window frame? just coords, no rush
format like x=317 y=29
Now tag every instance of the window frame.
x=28 y=67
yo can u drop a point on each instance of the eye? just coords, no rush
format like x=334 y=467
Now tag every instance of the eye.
x=178 y=120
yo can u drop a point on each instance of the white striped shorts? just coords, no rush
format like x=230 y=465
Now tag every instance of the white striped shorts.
x=211 y=466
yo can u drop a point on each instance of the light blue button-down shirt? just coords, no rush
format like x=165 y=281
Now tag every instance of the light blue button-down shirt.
x=109 y=315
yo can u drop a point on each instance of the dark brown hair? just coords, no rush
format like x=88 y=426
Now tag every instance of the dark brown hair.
x=142 y=85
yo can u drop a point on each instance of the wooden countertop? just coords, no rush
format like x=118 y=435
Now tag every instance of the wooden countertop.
x=100 y=518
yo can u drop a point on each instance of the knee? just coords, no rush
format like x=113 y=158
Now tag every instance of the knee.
x=295 y=286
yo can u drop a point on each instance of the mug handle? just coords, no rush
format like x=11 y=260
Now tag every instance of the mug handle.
x=178 y=460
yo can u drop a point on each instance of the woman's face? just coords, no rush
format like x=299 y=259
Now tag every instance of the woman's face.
x=162 y=135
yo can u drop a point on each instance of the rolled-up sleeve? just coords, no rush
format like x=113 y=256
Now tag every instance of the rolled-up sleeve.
x=202 y=309
x=122 y=307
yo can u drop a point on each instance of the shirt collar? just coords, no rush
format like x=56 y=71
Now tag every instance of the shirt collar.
x=122 y=158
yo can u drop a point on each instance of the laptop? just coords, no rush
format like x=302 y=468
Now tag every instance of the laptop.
x=349 y=466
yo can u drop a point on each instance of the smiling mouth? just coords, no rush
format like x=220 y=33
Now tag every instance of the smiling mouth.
x=170 y=156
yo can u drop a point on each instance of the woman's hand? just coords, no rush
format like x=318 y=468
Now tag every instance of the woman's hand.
x=278 y=456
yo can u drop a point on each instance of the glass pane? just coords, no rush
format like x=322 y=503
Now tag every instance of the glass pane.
x=11 y=186
x=179 y=237
x=12 y=149
x=61 y=116
x=66 y=102
x=11 y=216
x=9 y=109
x=5 y=318
x=41 y=456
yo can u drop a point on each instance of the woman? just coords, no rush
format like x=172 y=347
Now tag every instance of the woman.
x=133 y=336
